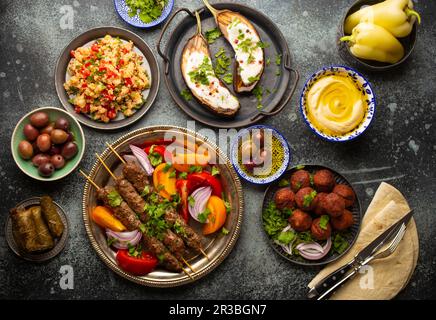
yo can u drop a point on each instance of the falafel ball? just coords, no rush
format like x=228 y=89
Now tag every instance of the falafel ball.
x=343 y=222
x=304 y=199
x=284 y=198
x=319 y=233
x=319 y=203
x=300 y=179
x=300 y=220
x=345 y=192
x=323 y=180
x=334 y=205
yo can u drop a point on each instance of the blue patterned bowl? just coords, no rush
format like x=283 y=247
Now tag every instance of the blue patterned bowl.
x=234 y=156
x=361 y=82
x=123 y=11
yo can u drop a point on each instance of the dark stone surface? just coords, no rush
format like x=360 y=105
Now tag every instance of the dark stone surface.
x=399 y=148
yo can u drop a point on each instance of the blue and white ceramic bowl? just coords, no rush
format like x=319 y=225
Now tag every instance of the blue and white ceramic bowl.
x=234 y=156
x=361 y=83
x=123 y=11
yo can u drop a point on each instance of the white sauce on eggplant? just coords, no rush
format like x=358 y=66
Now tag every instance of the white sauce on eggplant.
x=215 y=94
x=248 y=54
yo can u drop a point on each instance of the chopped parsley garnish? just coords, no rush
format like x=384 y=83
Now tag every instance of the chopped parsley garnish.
x=154 y=157
x=160 y=187
x=191 y=201
x=222 y=63
x=114 y=199
x=179 y=229
x=156 y=225
x=339 y=244
x=215 y=171
x=134 y=251
x=220 y=52
x=167 y=167
x=110 y=241
x=193 y=169
x=286 y=237
x=212 y=34
x=142 y=227
x=146 y=191
x=201 y=74
x=311 y=179
x=263 y=45
x=186 y=94
x=202 y=217
x=308 y=198
x=172 y=174
x=228 y=78
x=258 y=93
x=253 y=79
x=278 y=59
x=284 y=183
x=161 y=257
x=147 y=10
x=268 y=61
x=224 y=231
x=323 y=221
x=273 y=220
x=183 y=175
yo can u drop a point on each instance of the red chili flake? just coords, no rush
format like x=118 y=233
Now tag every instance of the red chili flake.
x=236 y=41
x=260 y=61
x=241 y=61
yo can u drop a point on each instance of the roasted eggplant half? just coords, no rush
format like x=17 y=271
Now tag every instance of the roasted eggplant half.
x=198 y=73
x=247 y=45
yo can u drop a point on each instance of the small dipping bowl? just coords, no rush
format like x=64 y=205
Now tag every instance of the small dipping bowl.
x=123 y=11
x=280 y=160
x=360 y=82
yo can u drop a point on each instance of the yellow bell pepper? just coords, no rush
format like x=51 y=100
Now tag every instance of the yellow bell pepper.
x=164 y=180
x=396 y=16
x=217 y=216
x=105 y=219
x=372 y=42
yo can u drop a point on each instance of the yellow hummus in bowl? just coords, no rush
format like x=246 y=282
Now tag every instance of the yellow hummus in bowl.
x=337 y=103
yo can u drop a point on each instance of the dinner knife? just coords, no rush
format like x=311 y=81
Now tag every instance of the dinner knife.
x=342 y=274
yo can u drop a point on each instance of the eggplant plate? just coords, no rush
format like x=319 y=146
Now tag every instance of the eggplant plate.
x=199 y=75
x=247 y=45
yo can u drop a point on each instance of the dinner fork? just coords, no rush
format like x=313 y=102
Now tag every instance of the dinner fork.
x=383 y=254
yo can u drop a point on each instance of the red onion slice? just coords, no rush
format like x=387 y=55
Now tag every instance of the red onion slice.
x=311 y=251
x=142 y=158
x=201 y=196
x=124 y=239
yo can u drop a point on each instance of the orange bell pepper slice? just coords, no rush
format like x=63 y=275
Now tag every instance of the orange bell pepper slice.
x=103 y=216
x=217 y=216
x=165 y=181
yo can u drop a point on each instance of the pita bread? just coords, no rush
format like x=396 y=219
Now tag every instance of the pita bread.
x=384 y=278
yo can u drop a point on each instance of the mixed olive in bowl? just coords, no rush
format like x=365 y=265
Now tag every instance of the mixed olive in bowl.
x=47 y=144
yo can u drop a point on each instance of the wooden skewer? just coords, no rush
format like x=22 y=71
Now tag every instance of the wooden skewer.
x=89 y=179
x=116 y=153
x=115 y=178
x=187 y=273
x=106 y=167
x=204 y=253
x=187 y=263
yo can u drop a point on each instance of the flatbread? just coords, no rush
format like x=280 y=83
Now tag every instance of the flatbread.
x=384 y=278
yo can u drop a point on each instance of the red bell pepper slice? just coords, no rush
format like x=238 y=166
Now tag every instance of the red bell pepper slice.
x=139 y=266
x=182 y=189
x=202 y=179
x=164 y=153
x=95 y=47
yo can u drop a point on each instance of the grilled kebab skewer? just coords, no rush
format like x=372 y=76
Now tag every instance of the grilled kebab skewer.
x=137 y=203
x=126 y=215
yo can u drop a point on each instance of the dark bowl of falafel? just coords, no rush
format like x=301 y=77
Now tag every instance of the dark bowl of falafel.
x=312 y=216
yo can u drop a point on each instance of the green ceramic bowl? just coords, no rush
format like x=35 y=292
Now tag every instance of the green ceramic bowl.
x=26 y=165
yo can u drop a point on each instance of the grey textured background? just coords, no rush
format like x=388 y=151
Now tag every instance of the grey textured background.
x=399 y=148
